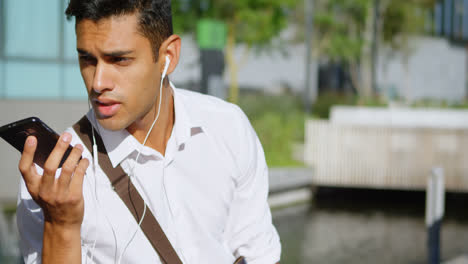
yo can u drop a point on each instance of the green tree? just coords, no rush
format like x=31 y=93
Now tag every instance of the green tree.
x=402 y=20
x=254 y=23
x=343 y=32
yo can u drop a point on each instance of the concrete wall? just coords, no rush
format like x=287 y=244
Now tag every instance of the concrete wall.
x=389 y=147
x=262 y=70
x=400 y=117
x=434 y=69
x=385 y=157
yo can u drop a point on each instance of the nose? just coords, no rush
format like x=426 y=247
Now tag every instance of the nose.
x=102 y=78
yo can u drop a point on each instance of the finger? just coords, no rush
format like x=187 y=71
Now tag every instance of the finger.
x=26 y=165
x=76 y=184
x=69 y=167
x=53 y=161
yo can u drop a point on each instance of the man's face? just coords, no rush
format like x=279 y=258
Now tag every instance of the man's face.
x=119 y=71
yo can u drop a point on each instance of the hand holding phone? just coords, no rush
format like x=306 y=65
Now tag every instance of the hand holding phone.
x=61 y=198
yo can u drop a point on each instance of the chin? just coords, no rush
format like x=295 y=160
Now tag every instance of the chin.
x=112 y=123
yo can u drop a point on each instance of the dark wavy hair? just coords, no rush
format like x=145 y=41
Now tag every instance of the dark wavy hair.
x=155 y=17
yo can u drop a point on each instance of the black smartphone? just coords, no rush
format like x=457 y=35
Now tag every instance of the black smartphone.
x=16 y=133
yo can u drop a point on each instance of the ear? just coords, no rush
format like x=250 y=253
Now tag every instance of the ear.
x=171 y=48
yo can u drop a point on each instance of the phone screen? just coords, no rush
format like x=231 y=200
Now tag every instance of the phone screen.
x=16 y=133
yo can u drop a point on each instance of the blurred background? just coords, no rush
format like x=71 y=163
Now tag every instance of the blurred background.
x=358 y=103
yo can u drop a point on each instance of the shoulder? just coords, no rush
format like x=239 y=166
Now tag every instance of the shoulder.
x=213 y=113
x=219 y=119
x=225 y=124
x=198 y=105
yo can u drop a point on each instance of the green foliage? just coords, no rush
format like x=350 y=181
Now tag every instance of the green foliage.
x=325 y=102
x=339 y=25
x=403 y=18
x=321 y=109
x=279 y=123
x=255 y=22
x=343 y=31
x=432 y=103
x=9 y=210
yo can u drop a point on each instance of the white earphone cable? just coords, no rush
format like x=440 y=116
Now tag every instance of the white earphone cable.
x=138 y=155
x=95 y=162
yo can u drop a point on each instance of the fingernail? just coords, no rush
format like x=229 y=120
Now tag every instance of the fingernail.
x=66 y=137
x=80 y=147
x=30 y=141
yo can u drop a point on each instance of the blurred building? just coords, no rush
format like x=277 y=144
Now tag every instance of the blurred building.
x=450 y=19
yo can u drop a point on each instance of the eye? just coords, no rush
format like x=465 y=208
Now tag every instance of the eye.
x=87 y=59
x=119 y=59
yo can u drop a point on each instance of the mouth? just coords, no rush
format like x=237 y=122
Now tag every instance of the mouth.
x=106 y=107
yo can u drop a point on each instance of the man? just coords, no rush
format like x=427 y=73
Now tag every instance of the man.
x=201 y=171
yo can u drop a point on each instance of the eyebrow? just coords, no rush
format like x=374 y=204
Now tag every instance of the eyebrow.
x=107 y=54
x=83 y=52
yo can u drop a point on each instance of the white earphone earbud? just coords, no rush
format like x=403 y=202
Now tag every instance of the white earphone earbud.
x=166 y=67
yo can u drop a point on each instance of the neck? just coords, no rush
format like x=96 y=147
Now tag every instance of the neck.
x=162 y=128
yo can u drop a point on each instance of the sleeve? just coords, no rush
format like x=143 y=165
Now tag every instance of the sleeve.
x=30 y=221
x=250 y=231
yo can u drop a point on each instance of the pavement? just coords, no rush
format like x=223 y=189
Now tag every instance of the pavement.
x=289 y=186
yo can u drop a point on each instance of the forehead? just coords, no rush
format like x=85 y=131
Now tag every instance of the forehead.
x=108 y=33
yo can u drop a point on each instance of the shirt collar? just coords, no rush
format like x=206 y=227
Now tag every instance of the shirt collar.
x=120 y=144
x=183 y=124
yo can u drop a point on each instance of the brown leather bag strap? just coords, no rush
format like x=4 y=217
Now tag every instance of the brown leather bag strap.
x=129 y=194
x=240 y=260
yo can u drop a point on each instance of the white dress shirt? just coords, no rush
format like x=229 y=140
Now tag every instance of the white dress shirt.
x=208 y=193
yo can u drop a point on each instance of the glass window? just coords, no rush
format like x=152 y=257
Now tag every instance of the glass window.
x=2 y=28
x=32 y=80
x=465 y=19
x=32 y=28
x=40 y=59
x=458 y=15
x=438 y=19
x=74 y=85
x=70 y=39
x=448 y=8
